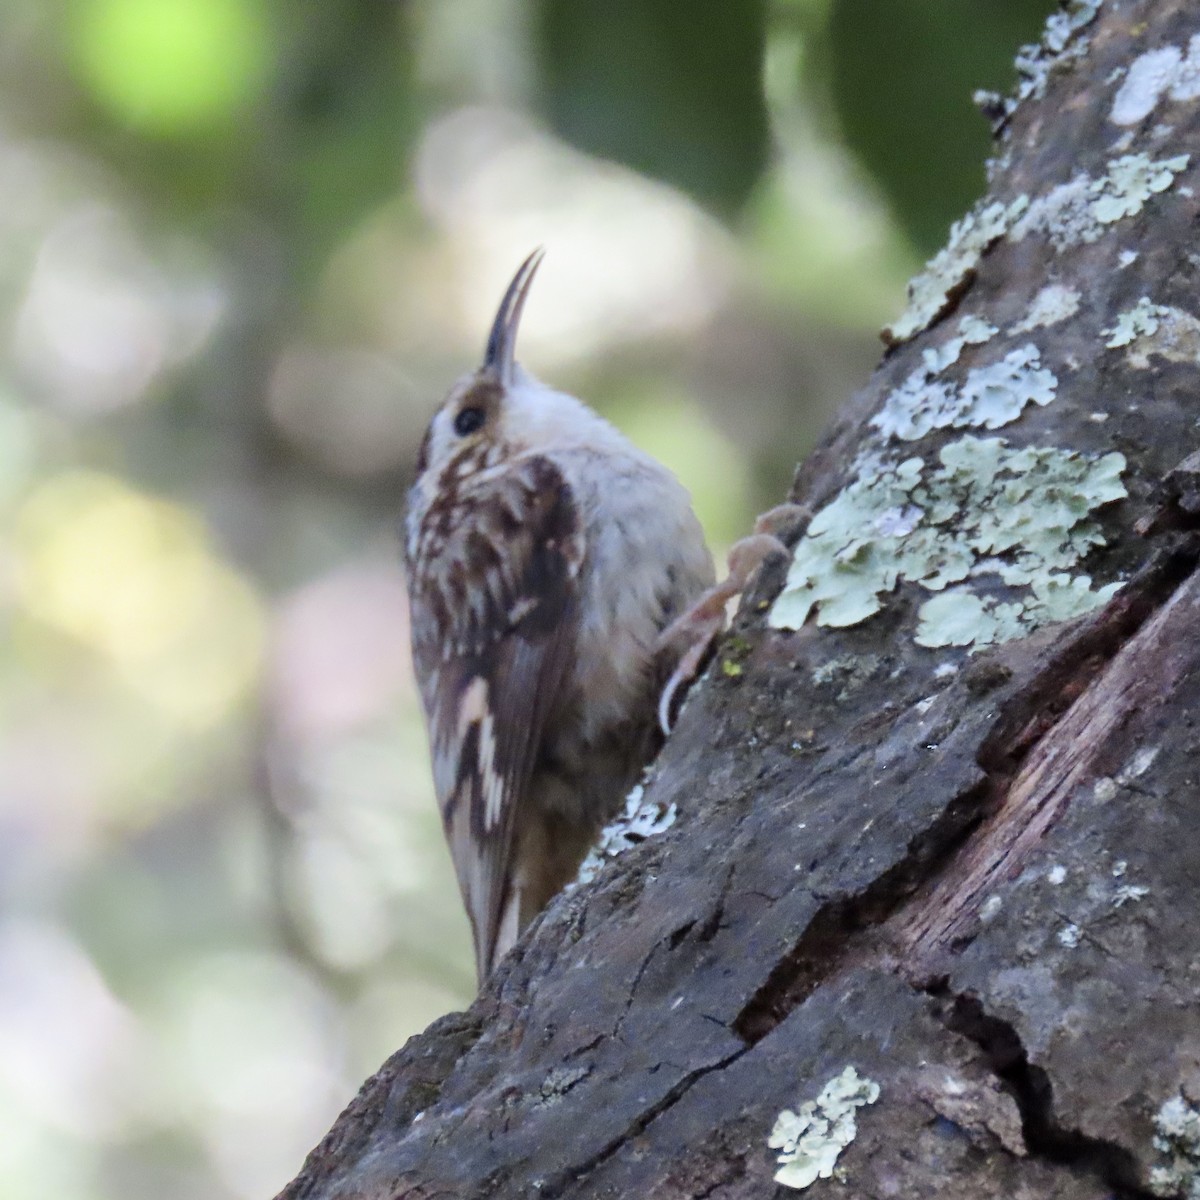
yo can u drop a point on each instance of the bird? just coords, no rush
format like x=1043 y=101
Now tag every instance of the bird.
x=545 y=555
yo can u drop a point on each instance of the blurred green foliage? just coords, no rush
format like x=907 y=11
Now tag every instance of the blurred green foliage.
x=672 y=90
x=244 y=247
x=182 y=67
x=904 y=104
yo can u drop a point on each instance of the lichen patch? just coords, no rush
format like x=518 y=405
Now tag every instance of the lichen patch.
x=990 y=397
x=975 y=330
x=1128 y=893
x=1070 y=935
x=1139 y=763
x=1177 y=1137
x=1186 y=85
x=995 y=395
x=1060 y=43
x=1080 y=210
x=986 y=517
x=1147 y=330
x=1063 y=214
x=930 y=292
x=1054 y=303
x=960 y=617
x=1163 y=72
x=1142 y=320
x=1130 y=182
x=1149 y=76
x=637 y=821
x=1073 y=212
x=810 y=1141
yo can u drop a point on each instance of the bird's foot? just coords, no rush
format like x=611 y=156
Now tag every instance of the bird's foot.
x=691 y=636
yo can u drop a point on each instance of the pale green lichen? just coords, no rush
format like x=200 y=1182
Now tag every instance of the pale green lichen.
x=1073 y=212
x=1130 y=182
x=1063 y=214
x=976 y=331
x=1139 y=763
x=639 y=820
x=1161 y=330
x=810 y=1141
x=1064 y=597
x=921 y=403
x=1081 y=209
x=1070 y=935
x=1128 y=893
x=1108 y=788
x=1163 y=71
x=1019 y=516
x=960 y=617
x=850 y=553
x=991 y=396
x=928 y=292
x=1034 y=62
x=1139 y=321
x=1054 y=303
x=1177 y=1134
x=994 y=395
x=972 y=331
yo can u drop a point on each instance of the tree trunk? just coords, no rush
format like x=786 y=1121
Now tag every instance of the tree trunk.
x=933 y=832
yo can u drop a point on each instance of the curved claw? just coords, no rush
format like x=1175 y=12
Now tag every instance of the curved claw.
x=704 y=621
x=684 y=673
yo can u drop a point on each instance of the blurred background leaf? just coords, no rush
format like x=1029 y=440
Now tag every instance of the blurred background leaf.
x=671 y=90
x=901 y=78
x=177 y=68
x=245 y=245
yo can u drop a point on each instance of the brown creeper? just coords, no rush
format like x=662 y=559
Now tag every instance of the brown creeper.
x=545 y=554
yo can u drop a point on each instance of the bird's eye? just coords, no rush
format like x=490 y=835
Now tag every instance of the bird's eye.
x=467 y=421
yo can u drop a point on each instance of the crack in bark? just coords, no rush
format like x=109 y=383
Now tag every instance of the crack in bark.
x=587 y=1047
x=1030 y=780
x=1045 y=1136
x=673 y=940
x=856 y=928
x=1082 y=657
x=670 y=941
x=1119 y=662
x=844 y=931
x=554 y=1186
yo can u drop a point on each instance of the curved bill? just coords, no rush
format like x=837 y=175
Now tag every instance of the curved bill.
x=502 y=341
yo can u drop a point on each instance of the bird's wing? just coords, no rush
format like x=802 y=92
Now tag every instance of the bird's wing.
x=493 y=633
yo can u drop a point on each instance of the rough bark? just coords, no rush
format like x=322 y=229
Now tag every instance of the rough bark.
x=970 y=873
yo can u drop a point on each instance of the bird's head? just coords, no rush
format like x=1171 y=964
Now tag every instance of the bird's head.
x=500 y=410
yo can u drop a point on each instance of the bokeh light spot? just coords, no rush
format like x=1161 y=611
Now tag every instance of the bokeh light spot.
x=133 y=578
x=172 y=66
